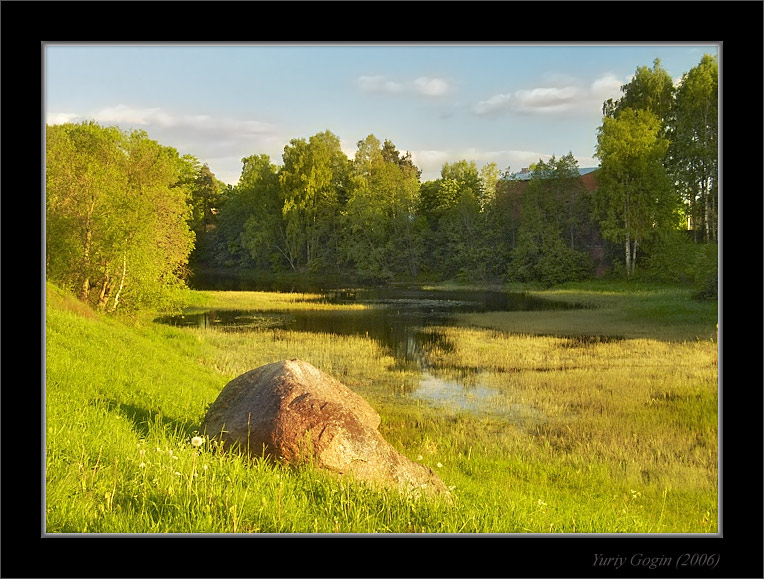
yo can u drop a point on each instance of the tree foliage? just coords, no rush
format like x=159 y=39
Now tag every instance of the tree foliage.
x=694 y=145
x=551 y=221
x=635 y=199
x=687 y=120
x=116 y=215
x=313 y=184
x=380 y=240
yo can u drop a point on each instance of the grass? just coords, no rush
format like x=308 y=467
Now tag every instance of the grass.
x=622 y=437
x=612 y=310
x=266 y=301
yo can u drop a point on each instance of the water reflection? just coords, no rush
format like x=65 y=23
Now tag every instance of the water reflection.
x=403 y=321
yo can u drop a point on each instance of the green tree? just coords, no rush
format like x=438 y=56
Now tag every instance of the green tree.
x=694 y=145
x=205 y=199
x=649 y=90
x=264 y=232
x=158 y=241
x=635 y=199
x=454 y=235
x=503 y=216
x=313 y=183
x=116 y=215
x=489 y=177
x=380 y=236
x=546 y=250
x=84 y=179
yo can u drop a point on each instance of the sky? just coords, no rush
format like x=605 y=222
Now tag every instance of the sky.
x=509 y=104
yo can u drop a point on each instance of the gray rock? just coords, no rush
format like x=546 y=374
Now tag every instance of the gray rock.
x=296 y=413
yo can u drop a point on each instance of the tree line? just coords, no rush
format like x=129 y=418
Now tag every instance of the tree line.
x=124 y=213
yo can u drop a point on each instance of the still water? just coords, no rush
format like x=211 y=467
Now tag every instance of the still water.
x=402 y=320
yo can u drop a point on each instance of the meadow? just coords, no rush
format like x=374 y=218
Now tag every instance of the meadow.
x=605 y=420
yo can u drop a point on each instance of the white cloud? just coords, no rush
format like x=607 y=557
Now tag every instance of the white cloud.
x=156 y=118
x=379 y=84
x=572 y=97
x=424 y=85
x=496 y=103
x=430 y=161
x=547 y=99
x=60 y=118
x=607 y=86
x=431 y=86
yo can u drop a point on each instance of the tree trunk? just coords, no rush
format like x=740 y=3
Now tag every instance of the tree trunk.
x=85 y=288
x=121 y=283
x=103 y=297
x=634 y=256
x=627 y=248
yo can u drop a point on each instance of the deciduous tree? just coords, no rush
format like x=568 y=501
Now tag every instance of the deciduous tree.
x=313 y=185
x=694 y=150
x=635 y=199
x=116 y=215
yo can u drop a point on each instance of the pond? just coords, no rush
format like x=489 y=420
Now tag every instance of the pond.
x=402 y=320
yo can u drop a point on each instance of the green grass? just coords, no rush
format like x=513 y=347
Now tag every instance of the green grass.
x=622 y=438
x=266 y=301
x=627 y=310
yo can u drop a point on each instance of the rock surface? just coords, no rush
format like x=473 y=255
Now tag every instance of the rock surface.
x=296 y=413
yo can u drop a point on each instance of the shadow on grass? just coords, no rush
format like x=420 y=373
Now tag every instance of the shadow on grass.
x=144 y=419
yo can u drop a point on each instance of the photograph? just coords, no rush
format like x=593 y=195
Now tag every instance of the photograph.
x=447 y=290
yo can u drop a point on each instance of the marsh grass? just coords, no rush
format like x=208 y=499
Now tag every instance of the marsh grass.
x=622 y=437
x=267 y=301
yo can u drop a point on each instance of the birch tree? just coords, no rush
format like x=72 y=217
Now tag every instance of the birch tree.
x=634 y=199
x=313 y=184
x=116 y=219
x=694 y=145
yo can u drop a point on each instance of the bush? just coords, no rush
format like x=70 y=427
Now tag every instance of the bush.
x=676 y=258
x=707 y=276
x=671 y=258
x=549 y=266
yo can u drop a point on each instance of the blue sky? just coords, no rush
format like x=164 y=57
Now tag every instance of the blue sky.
x=507 y=104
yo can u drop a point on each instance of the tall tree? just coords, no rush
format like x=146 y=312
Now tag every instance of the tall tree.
x=634 y=199
x=205 y=198
x=251 y=225
x=313 y=184
x=379 y=216
x=649 y=90
x=454 y=240
x=84 y=178
x=489 y=179
x=694 y=145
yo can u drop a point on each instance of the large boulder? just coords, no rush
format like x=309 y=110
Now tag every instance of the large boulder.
x=298 y=414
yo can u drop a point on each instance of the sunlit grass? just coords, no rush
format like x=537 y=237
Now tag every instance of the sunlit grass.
x=622 y=436
x=267 y=301
x=611 y=310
